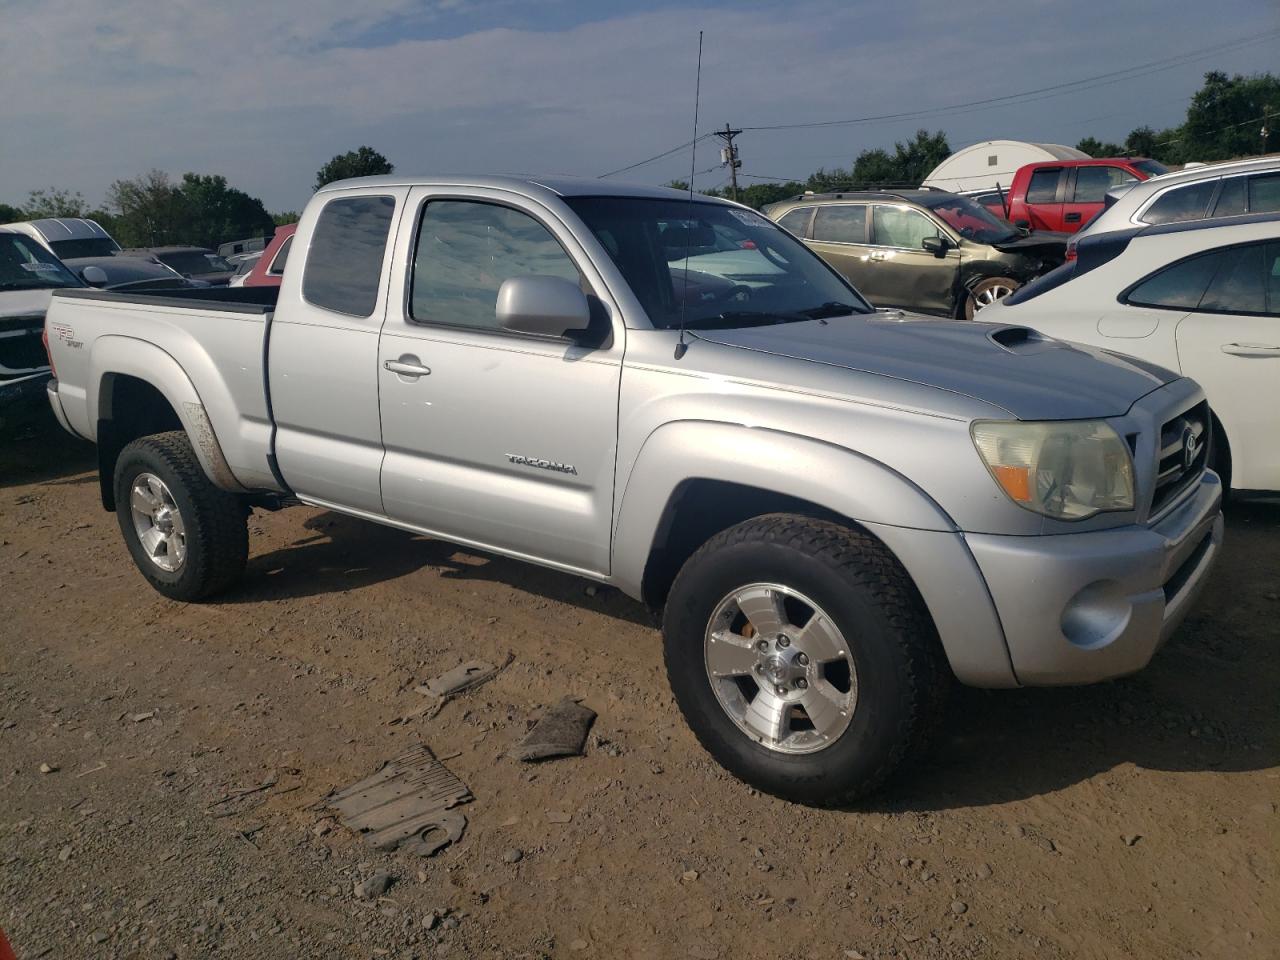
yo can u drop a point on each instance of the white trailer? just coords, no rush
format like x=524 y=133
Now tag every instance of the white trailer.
x=984 y=165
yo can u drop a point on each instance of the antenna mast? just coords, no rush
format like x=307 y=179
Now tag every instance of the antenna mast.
x=681 y=347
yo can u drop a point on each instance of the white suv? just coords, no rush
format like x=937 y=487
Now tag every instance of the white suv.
x=1202 y=298
x=1211 y=191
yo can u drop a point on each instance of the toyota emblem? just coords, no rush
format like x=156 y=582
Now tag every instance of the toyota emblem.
x=1190 y=447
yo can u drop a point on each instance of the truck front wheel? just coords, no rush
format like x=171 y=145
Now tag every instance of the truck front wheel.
x=188 y=538
x=802 y=658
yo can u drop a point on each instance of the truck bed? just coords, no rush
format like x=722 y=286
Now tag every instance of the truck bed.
x=204 y=348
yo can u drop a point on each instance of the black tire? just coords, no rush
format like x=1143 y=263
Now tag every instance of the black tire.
x=216 y=529
x=902 y=676
x=984 y=286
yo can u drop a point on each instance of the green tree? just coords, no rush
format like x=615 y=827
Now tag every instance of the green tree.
x=148 y=211
x=364 y=162
x=284 y=218
x=10 y=214
x=910 y=162
x=682 y=185
x=1096 y=148
x=53 y=202
x=216 y=213
x=1225 y=118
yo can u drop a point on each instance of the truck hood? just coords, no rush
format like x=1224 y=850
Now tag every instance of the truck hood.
x=24 y=303
x=1032 y=376
x=1042 y=242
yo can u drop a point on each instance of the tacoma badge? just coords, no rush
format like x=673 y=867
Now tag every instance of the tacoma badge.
x=542 y=464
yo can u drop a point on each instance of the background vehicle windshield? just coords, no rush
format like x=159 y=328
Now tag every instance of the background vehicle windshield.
x=1152 y=168
x=26 y=265
x=84 y=247
x=194 y=263
x=971 y=220
x=721 y=265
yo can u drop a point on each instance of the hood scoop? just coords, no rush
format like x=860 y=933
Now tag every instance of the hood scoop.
x=1017 y=339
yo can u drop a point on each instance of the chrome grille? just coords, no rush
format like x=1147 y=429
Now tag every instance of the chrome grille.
x=1182 y=455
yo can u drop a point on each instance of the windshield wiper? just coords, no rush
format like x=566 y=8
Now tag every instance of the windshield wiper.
x=832 y=308
x=747 y=318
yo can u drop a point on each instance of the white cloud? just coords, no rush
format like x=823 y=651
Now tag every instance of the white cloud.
x=264 y=93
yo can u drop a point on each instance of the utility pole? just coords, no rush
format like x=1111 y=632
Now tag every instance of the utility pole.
x=729 y=156
x=1266 y=121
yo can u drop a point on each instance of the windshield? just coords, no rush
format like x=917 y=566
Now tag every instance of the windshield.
x=714 y=265
x=1152 y=168
x=971 y=220
x=194 y=263
x=26 y=265
x=84 y=247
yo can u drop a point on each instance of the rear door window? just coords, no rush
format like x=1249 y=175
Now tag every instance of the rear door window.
x=1180 y=286
x=344 y=264
x=841 y=224
x=1181 y=203
x=1240 y=283
x=1044 y=186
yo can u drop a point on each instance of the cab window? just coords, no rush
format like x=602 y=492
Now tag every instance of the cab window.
x=344 y=264
x=1043 y=187
x=466 y=249
x=1092 y=183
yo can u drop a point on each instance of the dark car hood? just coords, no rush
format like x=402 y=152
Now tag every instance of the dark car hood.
x=1038 y=242
x=1031 y=376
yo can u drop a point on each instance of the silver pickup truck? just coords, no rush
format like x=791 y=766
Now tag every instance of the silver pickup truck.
x=838 y=510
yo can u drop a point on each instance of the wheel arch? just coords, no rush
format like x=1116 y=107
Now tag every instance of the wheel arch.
x=137 y=389
x=692 y=480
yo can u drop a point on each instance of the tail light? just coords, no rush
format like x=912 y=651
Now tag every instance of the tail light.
x=44 y=338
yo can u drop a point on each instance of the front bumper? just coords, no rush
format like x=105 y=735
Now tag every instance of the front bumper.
x=1083 y=607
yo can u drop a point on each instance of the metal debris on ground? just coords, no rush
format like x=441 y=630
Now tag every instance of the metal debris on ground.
x=408 y=804
x=470 y=674
x=561 y=732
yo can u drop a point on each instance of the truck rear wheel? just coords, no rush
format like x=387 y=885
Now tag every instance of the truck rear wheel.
x=802 y=658
x=188 y=538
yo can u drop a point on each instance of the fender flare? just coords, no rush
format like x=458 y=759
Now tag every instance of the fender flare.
x=923 y=537
x=119 y=355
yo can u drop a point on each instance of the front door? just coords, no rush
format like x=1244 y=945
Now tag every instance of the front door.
x=499 y=440
x=1231 y=346
x=1087 y=191
x=904 y=274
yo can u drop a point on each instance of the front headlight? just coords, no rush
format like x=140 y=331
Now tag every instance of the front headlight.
x=1068 y=470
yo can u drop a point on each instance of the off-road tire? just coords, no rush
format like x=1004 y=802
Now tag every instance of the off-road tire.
x=970 y=305
x=217 y=536
x=903 y=677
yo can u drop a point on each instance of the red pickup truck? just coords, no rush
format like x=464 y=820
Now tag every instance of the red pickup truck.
x=1064 y=195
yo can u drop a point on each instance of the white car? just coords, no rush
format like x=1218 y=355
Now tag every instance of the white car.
x=1202 y=298
x=1204 y=192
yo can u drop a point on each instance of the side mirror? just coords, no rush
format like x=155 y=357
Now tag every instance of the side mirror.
x=543 y=306
x=94 y=276
x=938 y=246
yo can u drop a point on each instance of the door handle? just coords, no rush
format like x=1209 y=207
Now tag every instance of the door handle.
x=407 y=367
x=1251 y=349
x=1071 y=218
x=877 y=255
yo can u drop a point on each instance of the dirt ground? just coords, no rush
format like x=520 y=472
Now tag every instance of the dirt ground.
x=1133 y=819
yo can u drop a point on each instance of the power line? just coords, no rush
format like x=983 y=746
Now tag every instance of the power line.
x=1026 y=96
x=1058 y=89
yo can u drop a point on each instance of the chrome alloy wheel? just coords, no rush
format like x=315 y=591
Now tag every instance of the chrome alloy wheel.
x=780 y=668
x=989 y=295
x=158 y=522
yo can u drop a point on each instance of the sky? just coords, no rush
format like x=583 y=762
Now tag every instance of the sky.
x=265 y=93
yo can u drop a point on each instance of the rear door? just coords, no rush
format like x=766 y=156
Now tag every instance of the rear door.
x=903 y=273
x=496 y=439
x=322 y=358
x=1045 y=195
x=839 y=236
x=1230 y=344
x=1087 y=189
